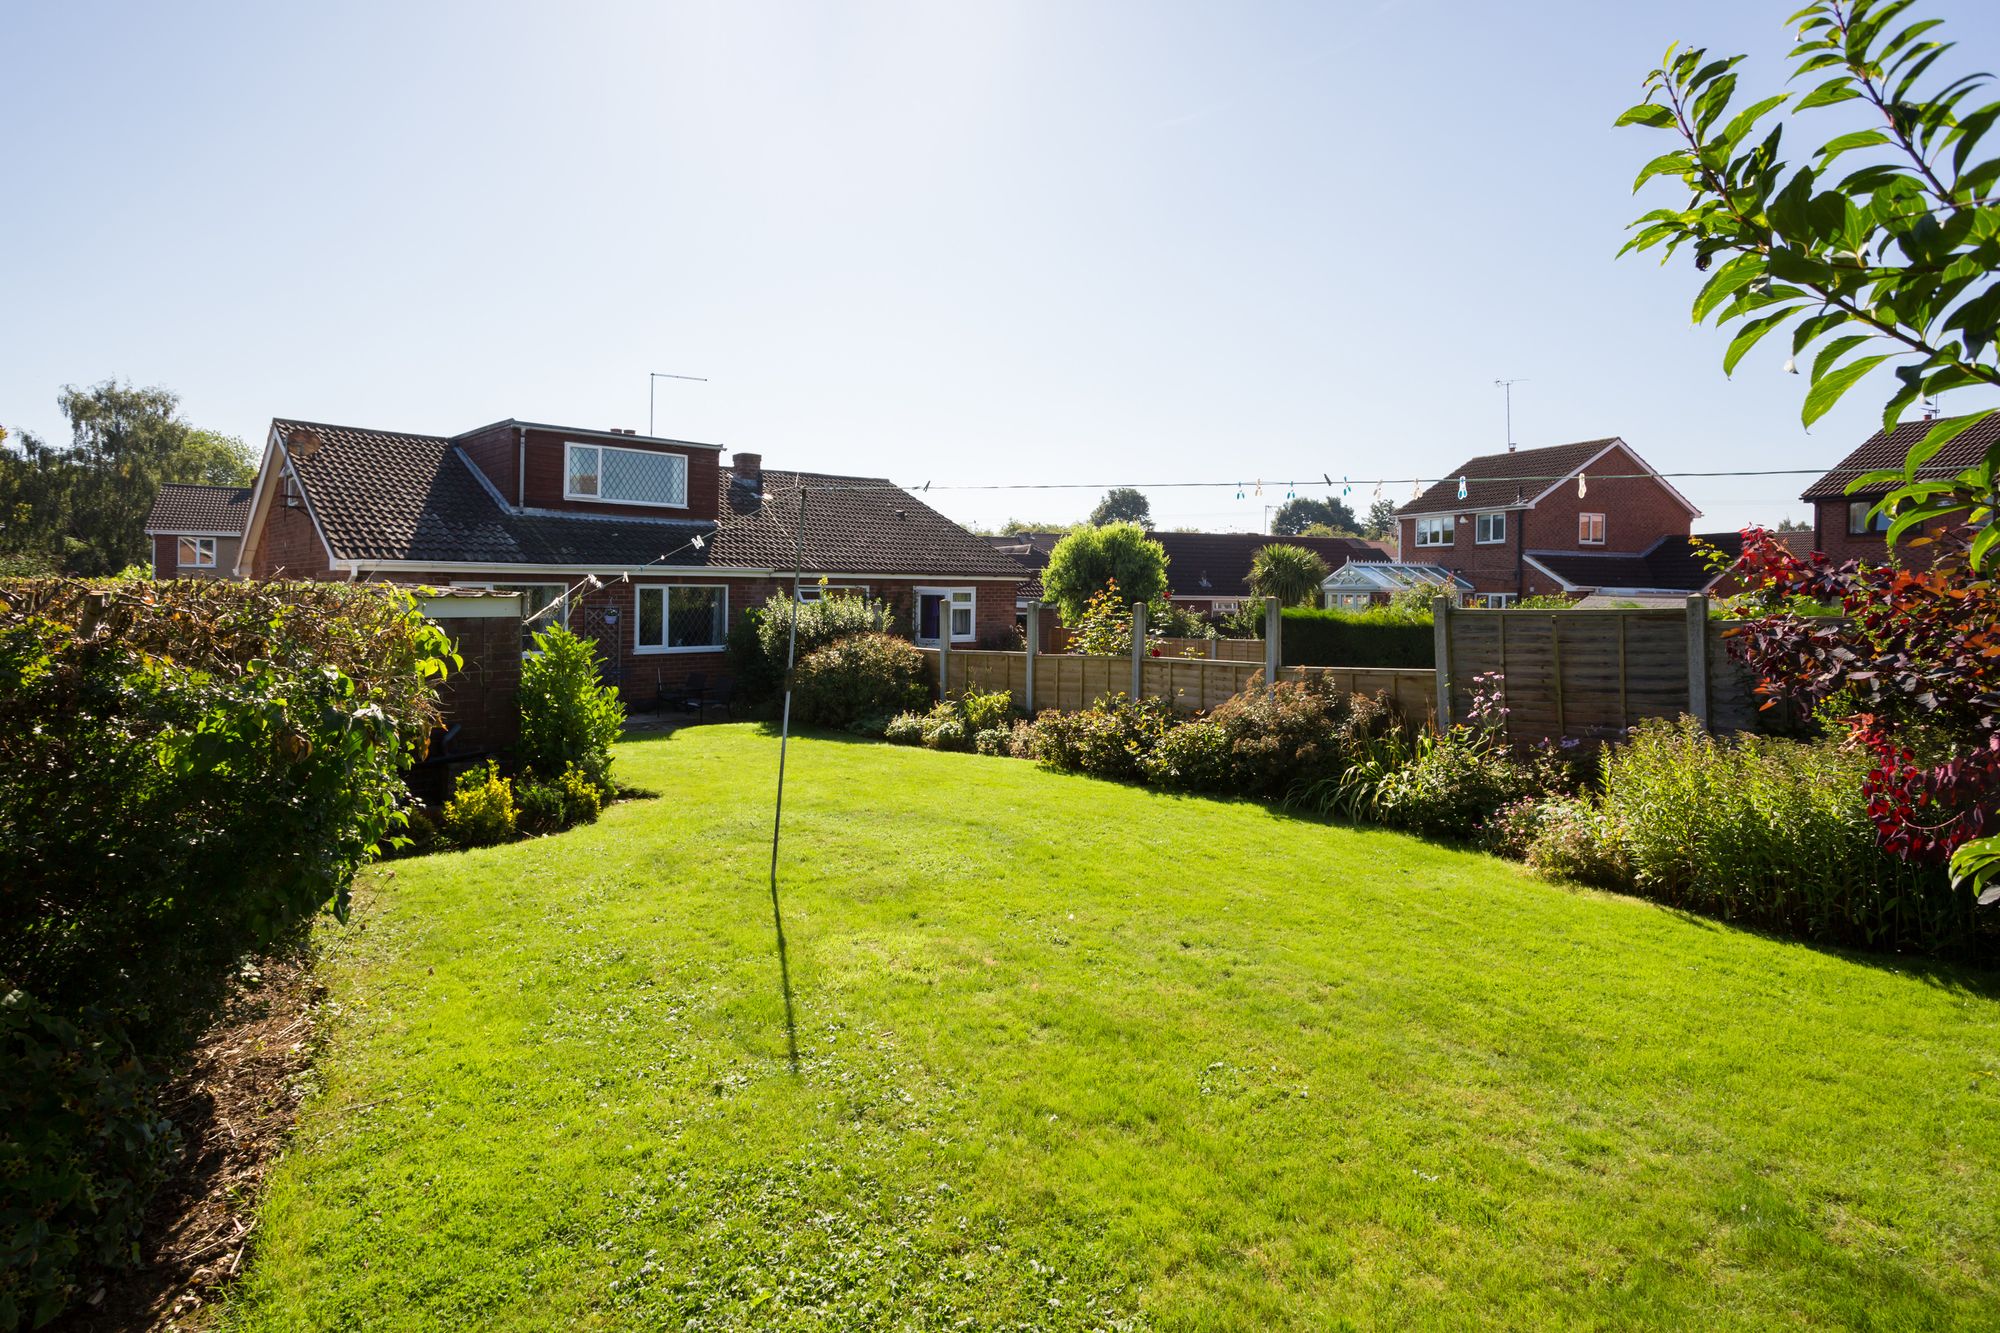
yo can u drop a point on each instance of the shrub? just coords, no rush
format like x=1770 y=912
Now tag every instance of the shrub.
x=1088 y=559
x=1194 y=756
x=189 y=770
x=1576 y=839
x=905 y=729
x=1454 y=782
x=1776 y=833
x=862 y=675
x=833 y=617
x=1295 y=732
x=1354 y=793
x=551 y=806
x=996 y=741
x=945 y=733
x=1103 y=628
x=583 y=800
x=1378 y=637
x=481 y=810
x=83 y=1150
x=1292 y=574
x=569 y=718
x=1108 y=739
x=984 y=710
x=1021 y=740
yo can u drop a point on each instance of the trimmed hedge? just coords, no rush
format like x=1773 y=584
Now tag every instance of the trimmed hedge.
x=1316 y=637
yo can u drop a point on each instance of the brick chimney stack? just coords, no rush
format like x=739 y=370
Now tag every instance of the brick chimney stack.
x=748 y=468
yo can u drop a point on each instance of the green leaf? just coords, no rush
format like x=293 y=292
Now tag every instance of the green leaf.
x=1835 y=350
x=1937 y=438
x=1827 y=391
x=1751 y=333
x=1750 y=115
x=1676 y=161
x=1647 y=113
x=1849 y=142
x=1727 y=279
x=1833 y=90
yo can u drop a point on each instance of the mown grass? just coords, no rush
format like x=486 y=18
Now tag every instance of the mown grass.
x=1076 y=1055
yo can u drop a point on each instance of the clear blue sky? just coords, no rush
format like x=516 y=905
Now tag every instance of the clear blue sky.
x=1097 y=242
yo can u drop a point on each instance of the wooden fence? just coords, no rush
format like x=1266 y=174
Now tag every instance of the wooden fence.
x=1069 y=681
x=1592 y=674
x=1215 y=650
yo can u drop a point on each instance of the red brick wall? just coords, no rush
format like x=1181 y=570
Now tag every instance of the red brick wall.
x=167 y=554
x=495 y=451
x=1638 y=511
x=1830 y=535
x=1492 y=568
x=480 y=696
x=289 y=546
x=545 y=478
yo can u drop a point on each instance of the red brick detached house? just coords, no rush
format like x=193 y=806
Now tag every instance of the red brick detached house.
x=196 y=531
x=1842 y=524
x=680 y=545
x=1522 y=529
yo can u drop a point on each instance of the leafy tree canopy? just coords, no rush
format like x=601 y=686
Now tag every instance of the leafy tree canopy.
x=1090 y=557
x=1295 y=516
x=83 y=508
x=1292 y=574
x=1381 y=524
x=1122 y=505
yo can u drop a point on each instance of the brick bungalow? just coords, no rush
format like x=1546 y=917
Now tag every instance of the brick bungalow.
x=196 y=531
x=1523 y=528
x=678 y=544
x=1842 y=524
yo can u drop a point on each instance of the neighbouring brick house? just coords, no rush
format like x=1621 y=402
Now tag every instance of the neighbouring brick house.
x=678 y=544
x=1842 y=524
x=196 y=531
x=1524 y=528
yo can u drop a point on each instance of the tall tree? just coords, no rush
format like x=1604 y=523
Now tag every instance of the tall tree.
x=84 y=507
x=1381 y=524
x=1295 y=516
x=1122 y=505
x=1292 y=574
x=1085 y=561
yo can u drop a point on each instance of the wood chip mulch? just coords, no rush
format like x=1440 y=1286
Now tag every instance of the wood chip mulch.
x=234 y=1106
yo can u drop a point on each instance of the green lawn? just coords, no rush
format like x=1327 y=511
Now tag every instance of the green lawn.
x=1076 y=1055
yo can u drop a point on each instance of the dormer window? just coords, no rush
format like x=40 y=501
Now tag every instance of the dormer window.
x=608 y=474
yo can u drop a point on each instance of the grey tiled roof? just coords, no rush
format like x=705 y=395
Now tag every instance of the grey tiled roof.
x=1886 y=449
x=185 y=507
x=385 y=495
x=1497 y=480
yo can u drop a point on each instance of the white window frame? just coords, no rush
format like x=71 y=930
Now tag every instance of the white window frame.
x=570 y=446
x=666 y=591
x=203 y=547
x=1493 y=601
x=1485 y=523
x=1584 y=527
x=1870 y=525
x=952 y=603
x=813 y=592
x=1441 y=530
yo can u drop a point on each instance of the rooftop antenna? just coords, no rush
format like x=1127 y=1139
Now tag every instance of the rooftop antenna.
x=1507 y=387
x=653 y=379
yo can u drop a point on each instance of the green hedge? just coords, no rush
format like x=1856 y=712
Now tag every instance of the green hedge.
x=1380 y=638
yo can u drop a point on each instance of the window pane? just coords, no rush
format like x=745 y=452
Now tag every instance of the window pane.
x=961 y=621
x=694 y=618
x=643 y=478
x=582 y=470
x=651 y=617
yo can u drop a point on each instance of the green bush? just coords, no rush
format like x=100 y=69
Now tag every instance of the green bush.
x=82 y=1148
x=1193 y=756
x=549 y=807
x=1088 y=560
x=569 y=717
x=1775 y=833
x=189 y=770
x=1454 y=783
x=996 y=741
x=1295 y=732
x=945 y=733
x=481 y=810
x=1378 y=637
x=1108 y=739
x=905 y=729
x=830 y=619
x=984 y=710
x=861 y=675
x=1573 y=838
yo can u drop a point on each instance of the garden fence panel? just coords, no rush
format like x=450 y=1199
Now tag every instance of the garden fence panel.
x=1071 y=682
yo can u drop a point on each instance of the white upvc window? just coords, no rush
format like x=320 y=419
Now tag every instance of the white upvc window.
x=1434 y=531
x=197 y=553
x=1490 y=529
x=610 y=475
x=680 y=618
x=1590 y=529
x=1493 y=601
x=942 y=611
x=544 y=606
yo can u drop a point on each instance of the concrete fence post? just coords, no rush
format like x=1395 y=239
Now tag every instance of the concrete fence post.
x=1441 y=650
x=1274 y=635
x=944 y=658
x=1138 y=648
x=1697 y=650
x=1034 y=651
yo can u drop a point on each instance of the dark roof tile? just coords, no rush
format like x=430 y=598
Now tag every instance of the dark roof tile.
x=1496 y=480
x=186 y=507
x=1885 y=449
